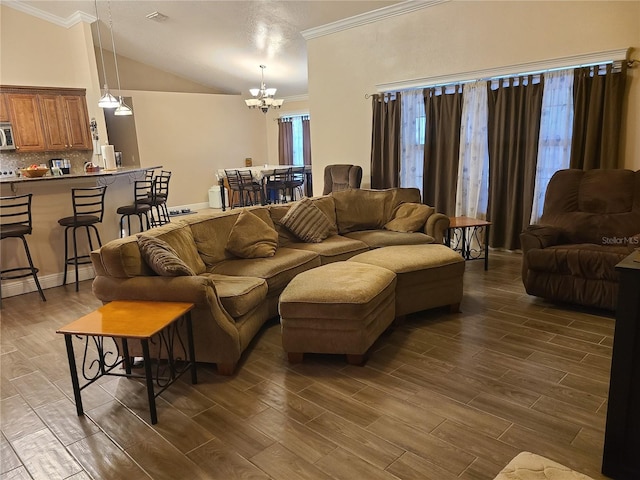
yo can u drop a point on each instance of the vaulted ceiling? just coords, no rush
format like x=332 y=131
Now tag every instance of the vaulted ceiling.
x=218 y=44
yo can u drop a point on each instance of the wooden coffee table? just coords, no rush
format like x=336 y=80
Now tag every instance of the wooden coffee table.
x=469 y=229
x=131 y=320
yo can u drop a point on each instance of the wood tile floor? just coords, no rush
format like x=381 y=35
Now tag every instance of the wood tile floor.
x=444 y=396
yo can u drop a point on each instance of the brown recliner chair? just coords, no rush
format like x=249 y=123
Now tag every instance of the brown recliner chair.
x=590 y=221
x=341 y=177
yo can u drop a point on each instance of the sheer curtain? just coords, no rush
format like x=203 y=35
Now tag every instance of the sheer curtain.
x=473 y=178
x=556 y=129
x=412 y=139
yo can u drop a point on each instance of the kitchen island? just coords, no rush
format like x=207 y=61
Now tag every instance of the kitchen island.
x=52 y=201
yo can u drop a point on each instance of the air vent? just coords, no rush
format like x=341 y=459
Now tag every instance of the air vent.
x=157 y=16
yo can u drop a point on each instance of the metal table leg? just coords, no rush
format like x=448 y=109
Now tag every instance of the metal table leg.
x=149 y=379
x=74 y=373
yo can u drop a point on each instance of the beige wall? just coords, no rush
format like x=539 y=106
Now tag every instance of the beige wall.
x=194 y=135
x=449 y=38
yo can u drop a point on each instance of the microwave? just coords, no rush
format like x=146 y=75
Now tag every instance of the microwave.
x=6 y=137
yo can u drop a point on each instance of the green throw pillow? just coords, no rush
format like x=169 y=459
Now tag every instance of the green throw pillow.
x=409 y=217
x=252 y=237
x=162 y=258
x=307 y=222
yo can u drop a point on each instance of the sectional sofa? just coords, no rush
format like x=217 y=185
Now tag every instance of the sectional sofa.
x=234 y=265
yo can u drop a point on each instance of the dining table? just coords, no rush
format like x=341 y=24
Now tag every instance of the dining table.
x=260 y=173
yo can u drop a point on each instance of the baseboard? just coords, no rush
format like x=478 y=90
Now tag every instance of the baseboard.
x=11 y=288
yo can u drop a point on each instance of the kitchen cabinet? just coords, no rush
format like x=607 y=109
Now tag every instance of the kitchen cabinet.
x=48 y=119
x=65 y=121
x=4 y=109
x=26 y=121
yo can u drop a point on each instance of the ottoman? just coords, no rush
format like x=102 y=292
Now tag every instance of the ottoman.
x=428 y=276
x=341 y=307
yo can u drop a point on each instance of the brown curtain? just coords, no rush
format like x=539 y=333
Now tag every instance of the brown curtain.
x=285 y=141
x=385 y=141
x=443 y=113
x=597 y=101
x=513 y=130
x=306 y=140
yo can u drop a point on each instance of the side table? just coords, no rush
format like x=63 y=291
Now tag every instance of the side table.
x=131 y=320
x=465 y=230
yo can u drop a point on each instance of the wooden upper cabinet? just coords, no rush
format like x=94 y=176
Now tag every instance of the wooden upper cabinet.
x=66 y=122
x=77 y=116
x=48 y=119
x=26 y=120
x=4 y=108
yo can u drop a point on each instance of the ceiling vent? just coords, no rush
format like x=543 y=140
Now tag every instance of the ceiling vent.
x=157 y=16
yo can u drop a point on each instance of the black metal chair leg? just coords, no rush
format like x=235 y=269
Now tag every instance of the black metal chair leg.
x=34 y=270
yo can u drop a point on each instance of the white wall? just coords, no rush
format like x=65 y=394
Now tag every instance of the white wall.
x=449 y=38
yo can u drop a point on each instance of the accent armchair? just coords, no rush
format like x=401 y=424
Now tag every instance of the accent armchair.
x=590 y=222
x=341 y=177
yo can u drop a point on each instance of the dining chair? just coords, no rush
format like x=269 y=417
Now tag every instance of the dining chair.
x=295 y=182
x=253 y=191
x=88 y=210
x=16 y=222
x=236 y=195
x=277 y=185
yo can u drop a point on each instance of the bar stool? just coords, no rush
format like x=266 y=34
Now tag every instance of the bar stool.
x=140 y=208
x=158 y=199
x=15 y=222
x=88 y=209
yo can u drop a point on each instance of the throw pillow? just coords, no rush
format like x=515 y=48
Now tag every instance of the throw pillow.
x=409 y=217
x=307 y=222
x=162 y=258
x=252 y=237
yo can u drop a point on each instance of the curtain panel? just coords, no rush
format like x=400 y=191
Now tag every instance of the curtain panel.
x=285 y=141
x=306 y=141
x=443 y=113
x=514 y=127
x=385 y=140
x=598 y=104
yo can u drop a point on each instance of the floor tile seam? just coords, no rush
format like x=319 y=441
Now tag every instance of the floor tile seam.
x=561 y=347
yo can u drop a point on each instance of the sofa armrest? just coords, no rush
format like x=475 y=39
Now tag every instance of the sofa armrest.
x=436 y=226
x=193 y=289
x=540 y=236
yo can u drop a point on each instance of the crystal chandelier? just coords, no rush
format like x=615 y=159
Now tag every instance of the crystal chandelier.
x=263 y=97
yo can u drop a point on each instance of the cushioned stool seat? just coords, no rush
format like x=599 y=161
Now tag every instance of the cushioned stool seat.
x=529 y=466
x=428 y=276
x=341 y=307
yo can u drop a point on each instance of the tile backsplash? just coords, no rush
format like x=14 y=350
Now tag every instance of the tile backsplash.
x=12 y=161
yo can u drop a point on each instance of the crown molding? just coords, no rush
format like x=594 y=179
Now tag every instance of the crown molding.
x=370 y=17
x=509 y=70
x=70 y=21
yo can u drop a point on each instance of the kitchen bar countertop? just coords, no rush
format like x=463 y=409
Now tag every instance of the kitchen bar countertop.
x=101 y=173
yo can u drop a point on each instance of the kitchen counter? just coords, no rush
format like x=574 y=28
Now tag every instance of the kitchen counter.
x=51 y=201
x=101 y=173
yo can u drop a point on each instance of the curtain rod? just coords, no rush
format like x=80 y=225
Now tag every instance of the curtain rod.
x=542 y=66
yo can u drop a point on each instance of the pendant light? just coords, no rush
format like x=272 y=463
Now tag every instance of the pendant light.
x=263 y=96
x=122 y=109
x=107 y=100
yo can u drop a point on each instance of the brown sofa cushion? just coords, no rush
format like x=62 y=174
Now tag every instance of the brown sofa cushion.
x=385 y=238
x=362 y=209
x=161 y=258
x=239 y=295
x=409 y=217
x=252 y=237
x=307 y=222
x=178 y=235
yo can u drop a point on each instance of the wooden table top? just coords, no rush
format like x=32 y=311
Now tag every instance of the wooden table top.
x=128 y=319
x=460 y=222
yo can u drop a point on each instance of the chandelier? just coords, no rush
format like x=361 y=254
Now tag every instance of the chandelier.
x=263 y=96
